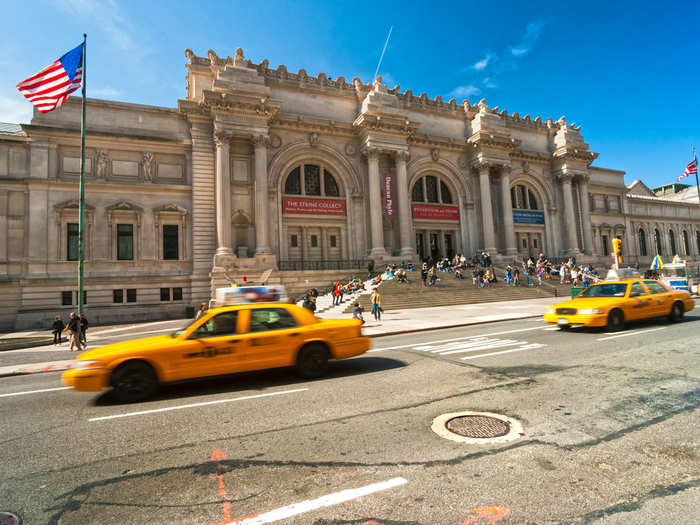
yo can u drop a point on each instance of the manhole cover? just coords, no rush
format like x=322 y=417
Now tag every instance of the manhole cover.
x=478 y=426
x=9 y=518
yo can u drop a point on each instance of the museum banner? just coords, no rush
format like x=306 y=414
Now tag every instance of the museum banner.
x=306 y=206
x=434 y=212
x=388 y=187
x=528 y=217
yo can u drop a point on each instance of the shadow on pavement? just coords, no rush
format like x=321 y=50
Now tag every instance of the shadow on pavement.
x=261 y=380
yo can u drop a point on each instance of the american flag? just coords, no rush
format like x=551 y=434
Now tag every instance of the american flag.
x=690 y=169
x=50 y=87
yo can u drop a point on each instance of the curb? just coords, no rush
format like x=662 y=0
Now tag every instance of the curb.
x=19 y=346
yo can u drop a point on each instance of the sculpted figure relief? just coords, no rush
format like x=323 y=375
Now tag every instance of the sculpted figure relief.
x=102 y=164
x=147 y=163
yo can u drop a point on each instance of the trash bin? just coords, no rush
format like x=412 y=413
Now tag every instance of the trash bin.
x=189 y=311
x=575 y=290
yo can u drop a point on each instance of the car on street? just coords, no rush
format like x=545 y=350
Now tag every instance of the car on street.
x=226 y=340
x=612 y=303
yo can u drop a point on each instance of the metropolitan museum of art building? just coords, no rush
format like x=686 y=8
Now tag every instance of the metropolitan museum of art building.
x=260 y=168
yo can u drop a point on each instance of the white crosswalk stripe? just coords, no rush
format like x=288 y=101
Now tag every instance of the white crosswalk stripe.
x=477 y=344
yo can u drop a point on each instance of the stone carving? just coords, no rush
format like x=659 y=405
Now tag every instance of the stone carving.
x=462 y=161
x=147 y=165
x=313 y=138
x=221 y=138
x=275 y=141
x=435 y=154
x=403 y=155
x=261 y=141
x=526 y=166
x=350 y=149
x=102 y=162
x=239 y=59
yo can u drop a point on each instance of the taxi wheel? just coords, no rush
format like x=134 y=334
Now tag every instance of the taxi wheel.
x=312 y=361
x=616 y=321
x=677 y=311
x=134 y=381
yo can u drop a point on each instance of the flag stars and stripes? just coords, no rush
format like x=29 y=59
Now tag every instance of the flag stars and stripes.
x=690 y=169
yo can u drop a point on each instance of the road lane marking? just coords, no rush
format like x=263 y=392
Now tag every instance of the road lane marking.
x=458 y=338
x=192 y=405
x=314 y=504
x=631 y=333
x=35 y=391
x=531 y=346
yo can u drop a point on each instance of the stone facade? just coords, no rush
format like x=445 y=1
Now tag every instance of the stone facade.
x=262 y=168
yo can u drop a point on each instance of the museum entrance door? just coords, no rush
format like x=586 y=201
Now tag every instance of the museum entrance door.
x=432 y=244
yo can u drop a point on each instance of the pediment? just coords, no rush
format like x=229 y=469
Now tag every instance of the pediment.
x=124 y=206
x=170 y=208
x=72 y=205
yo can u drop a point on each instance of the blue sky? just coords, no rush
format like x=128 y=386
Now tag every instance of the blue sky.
x=627 y=72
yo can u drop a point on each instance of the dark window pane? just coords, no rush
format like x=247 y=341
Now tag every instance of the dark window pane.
x=657 y=240
x=165 y=294
x=431 y=188
x=642 y=243
x=294 y=241
x=131 y=295
x=117 y=296
x=72 y=242
x=445 y=193
x=312 y=179
x=262 y=320
x=66 y=298
x=222 y=324
x=533 y=200
x=293 y=183
x=314 y=241
x=513 y=199
x=672 y=242
x=330 y=184
x=606 y=248
x=686 y=243
x=521 y=197
x=84 y=296
x=334 y=241
x=170 y=242
x=417 y=195
x=177 y=294
x=125 y=242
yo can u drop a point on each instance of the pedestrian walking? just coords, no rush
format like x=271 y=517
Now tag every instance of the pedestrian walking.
x=74 y=329
x=375 y=300
x=202 y=310
x=57 y=327
x=357 y=312
x=83 y=322
x=309 y=303
x=424 y=274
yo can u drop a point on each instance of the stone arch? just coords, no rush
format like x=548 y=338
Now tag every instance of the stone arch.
x=419 y=167
x=542 y=191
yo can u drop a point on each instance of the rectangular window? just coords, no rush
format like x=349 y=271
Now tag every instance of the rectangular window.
x=334 y=241
x=534 y=243
x=84 y=297
x=165 y=294
x=293 y=241
x=606 y=248
x=170 y=242
x=177 y=294
x=314 y=241
x=131 y=295
x=66 y=298
x=117 y=296
x=72 y=237
x=125 y=242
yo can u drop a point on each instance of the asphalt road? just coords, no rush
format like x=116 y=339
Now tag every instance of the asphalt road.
x=609 y=436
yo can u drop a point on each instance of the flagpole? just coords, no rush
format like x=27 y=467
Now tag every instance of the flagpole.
x=697 y=184
x=81 y=216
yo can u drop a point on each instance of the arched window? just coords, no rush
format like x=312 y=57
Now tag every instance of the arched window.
x=642 y=243
x=523 y=198
x=431 y=189
x=657 y=240
x=672 y=242
x=686 y=243
x=316 y=182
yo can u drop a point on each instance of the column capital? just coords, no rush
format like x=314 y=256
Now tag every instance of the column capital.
x=370 y=152
x=222 y=138
x=261 y=141
x=584 y=178
x=402 y=156
x=565 y=178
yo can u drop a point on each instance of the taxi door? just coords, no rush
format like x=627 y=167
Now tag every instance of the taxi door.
x=270 y=339
x=661 y=296
x=639 y=304
x=213 y=349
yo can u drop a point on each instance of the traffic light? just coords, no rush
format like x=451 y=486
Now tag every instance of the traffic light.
x=617 y=249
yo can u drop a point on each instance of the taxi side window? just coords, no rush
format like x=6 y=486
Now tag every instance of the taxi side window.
x=265 y=319
x=637 y=290
x=222 y=324
x=655 y=288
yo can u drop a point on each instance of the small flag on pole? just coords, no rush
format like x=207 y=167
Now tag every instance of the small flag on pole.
x=690 y=169
x=50 y=87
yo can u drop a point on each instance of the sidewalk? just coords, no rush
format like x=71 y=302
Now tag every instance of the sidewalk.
x=393 y=322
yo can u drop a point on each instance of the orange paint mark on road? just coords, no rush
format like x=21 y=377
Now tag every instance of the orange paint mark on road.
x=47 y=368
x=217 y=456
x=497 y=513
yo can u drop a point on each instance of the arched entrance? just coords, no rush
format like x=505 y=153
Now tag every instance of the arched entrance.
x=436 y=217
x=528 y=219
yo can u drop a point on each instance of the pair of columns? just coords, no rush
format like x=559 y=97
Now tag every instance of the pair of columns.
x=506 y=210
x=223 y=194
x=570 y=213
x=376 y=207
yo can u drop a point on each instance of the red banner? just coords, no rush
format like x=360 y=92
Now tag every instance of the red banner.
x=388 y=190
x=306 y=206
x=432 y=212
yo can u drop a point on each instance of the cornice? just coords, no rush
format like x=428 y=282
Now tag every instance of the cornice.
x=487 y=139
x=321 y=125
x=388 y=124
x=573 y=153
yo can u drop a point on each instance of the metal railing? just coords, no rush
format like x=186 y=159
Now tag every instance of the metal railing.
x=303 y=265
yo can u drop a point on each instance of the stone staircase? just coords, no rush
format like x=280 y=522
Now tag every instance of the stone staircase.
x=326 y=309
x=449 y=290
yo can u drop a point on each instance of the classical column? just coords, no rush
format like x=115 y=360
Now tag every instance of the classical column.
x=403 y=202
x=375 y=205
x=223 y=194
x=569 y=215
x=262 y=228
x=486 y=211
x=507 y=207
x=585 y=215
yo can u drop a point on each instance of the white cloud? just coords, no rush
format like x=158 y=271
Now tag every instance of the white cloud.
x=14 y=108
x=532 y=34
x=489 y=83
x=481 y=64
x=465 y=91
x=108 y=17
x=519 y=51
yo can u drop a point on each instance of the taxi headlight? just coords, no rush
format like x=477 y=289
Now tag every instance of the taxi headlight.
x=551 y=311
x=87 y=365
x=590 y=311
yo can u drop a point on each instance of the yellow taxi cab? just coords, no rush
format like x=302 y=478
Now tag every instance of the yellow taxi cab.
x=613 y=303
x=225 y=340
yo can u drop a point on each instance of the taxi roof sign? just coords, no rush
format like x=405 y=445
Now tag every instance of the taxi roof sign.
x=622 y=274
x=249 y=294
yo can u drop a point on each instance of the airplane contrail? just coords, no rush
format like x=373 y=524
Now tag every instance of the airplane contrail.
x=383 y=51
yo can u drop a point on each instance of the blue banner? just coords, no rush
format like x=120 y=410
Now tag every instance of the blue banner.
x=528 y=217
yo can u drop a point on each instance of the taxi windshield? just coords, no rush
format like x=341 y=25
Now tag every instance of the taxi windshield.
x=180 y=331
x=605 y=290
